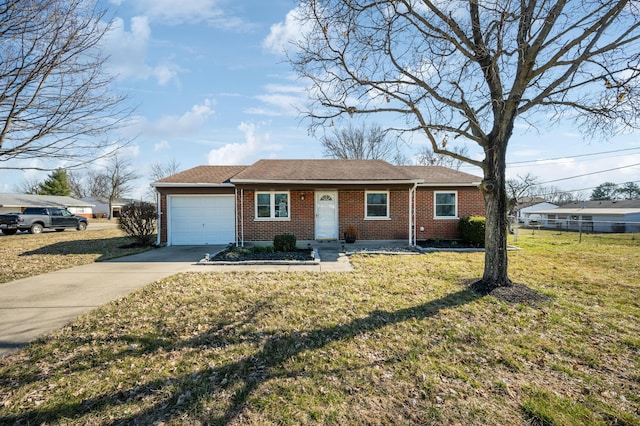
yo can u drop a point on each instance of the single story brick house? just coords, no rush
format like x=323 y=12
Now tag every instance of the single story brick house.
x=314 y=200
x=617 y=216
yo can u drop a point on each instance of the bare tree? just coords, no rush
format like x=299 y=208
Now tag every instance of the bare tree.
x=28 y=186
x=558 y=196
x=118 y=175
x=56 y=100
x=162 y=170
x=98 y=184
x=76 y=184
x=90 y=183
x=360 y=143
x=469 y=69
x=426 y=157
x=519 y=188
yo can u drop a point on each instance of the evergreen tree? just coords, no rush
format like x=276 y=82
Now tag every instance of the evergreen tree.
x=629 y=191
x=605 y=191
x=56 y=184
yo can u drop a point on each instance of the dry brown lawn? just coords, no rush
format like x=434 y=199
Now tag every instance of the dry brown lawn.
x=24 y=255
x=402 y=340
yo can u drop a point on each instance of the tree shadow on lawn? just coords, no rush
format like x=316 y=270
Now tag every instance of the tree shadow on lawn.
x=240 y=378
x=107 y=248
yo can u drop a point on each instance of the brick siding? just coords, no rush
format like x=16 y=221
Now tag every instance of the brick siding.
x=351 y=210
x=470 y=203
x=300 y=224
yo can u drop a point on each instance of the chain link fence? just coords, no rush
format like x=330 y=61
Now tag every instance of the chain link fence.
x=582 y=228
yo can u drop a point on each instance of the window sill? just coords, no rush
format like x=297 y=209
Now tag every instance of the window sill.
x=272 y=219
x=377 y=218
x=446 y=218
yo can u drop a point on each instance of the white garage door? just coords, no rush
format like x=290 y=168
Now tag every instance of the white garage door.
x=201 y=220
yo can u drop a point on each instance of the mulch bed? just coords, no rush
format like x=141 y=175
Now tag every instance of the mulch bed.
x=446 y=244
x=232 y=256
x=514 y=293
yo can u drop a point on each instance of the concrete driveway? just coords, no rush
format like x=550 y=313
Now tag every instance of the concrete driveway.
x=34 y=306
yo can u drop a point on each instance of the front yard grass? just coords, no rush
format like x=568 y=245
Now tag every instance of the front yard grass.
x=402 y=340
x=25 y=255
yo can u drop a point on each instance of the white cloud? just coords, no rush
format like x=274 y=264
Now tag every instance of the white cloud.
x=130 y=151
x=283 y=35
x=280 y=100
x=161 y=146
x=127 y=51
x=180 y=125
x=170 y=12
x=255 y=146
x=165 y=73
x=186 y=11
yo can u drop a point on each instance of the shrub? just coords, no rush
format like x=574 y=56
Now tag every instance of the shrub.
x=262 y=249
x=284 y=242
x=138 y=220
x=471 y=229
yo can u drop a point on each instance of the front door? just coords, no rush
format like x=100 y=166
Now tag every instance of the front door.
x=326 y=215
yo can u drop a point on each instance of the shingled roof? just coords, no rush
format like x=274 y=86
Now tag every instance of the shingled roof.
x=322 y=171
x=275 y=171
x=202 y=175
x=32 y=200
x=441 y=175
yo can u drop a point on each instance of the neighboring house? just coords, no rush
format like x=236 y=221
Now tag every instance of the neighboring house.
x=10 y=203
x=594 y=216
x=314 y=200
x=101 y=209
x=529 y=208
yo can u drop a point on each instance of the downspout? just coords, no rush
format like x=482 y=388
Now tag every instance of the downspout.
x=242 y=217
x=412 y=215
x=159 y=204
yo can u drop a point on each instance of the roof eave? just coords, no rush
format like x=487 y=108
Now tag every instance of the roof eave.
x=190 y=185
x=326 y=182
x=447 y=184
x=589 y=211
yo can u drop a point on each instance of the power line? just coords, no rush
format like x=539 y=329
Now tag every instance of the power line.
x=573 y=156
x=590 y=174
x=553 y=192
x=518 y=163
x=560 y=162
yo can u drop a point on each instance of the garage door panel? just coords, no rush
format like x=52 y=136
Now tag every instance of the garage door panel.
x=202 y=220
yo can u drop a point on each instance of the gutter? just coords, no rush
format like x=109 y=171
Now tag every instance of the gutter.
x=449 y=184
x=191 y=185
x=326 y=182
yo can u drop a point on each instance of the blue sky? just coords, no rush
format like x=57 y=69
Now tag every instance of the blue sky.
x=210 y=86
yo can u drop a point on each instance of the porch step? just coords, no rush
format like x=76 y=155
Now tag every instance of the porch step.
x=328 y=244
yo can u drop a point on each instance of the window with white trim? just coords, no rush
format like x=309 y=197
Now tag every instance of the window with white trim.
x=377 y=204
x=446 y=204
x=272 y=205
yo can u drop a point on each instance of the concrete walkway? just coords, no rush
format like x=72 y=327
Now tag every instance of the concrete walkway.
x=34 y=306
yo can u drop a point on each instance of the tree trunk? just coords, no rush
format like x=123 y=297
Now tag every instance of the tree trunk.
x=496 y=206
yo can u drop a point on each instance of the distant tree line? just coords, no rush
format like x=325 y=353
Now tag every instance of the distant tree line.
x=372 y=142
x=528 y=187
x=109 y=183
x=112 y=181
x=613 y=191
